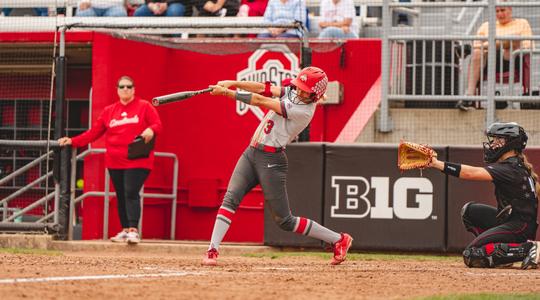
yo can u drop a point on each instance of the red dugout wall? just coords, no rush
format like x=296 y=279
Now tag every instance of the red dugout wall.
x=206 y=132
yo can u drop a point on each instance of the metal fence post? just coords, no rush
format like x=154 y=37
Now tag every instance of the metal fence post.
x=384 y=119
x=106 y=207
x=62 y=207
x=5 y=211
x=174 y=195
x=141 y=194
x=72 y=194
x=490 y=105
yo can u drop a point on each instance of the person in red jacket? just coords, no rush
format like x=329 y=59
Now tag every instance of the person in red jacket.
x=121 y=123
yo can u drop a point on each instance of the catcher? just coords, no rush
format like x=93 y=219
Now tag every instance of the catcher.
x=503 y=234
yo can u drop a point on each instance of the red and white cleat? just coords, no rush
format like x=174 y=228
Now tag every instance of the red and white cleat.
x=210 y=258
x=340 y=249
x=133 y=238
x=120 y=237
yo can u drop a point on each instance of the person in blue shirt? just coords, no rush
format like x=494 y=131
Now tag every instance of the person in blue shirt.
x=39 y=11
x=284 y=12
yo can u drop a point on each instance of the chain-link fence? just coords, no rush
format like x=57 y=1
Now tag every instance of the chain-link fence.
x=466 y=64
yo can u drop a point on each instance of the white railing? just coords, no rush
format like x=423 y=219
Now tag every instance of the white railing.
x=107 y=194
x=52 y=5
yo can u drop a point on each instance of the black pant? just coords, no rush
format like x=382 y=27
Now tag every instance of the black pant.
x=128 y=183
x=497 y=242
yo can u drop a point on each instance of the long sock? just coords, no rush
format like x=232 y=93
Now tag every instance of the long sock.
x=221 y=226
x=315 y=230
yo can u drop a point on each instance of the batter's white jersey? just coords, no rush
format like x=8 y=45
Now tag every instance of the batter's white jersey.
x=279 y=130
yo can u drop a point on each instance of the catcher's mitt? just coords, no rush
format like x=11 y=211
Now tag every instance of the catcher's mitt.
x=414 y=156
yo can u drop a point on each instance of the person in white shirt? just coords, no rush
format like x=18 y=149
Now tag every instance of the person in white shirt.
x=338 y=19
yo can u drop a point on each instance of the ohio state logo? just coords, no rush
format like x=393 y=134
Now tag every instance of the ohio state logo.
x=265 y=65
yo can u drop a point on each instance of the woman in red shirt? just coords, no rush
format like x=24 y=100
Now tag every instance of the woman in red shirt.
x=121 y=123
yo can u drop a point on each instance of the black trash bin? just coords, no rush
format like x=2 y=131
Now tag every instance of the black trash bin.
x=432 y=71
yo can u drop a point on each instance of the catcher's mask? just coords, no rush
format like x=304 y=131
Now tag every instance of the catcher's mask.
x=514 y=137
x=311 y=80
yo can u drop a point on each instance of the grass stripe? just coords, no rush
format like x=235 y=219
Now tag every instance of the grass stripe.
x=359 y=256
x=30 y=251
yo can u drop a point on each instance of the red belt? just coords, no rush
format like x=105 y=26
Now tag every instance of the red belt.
x=266 y=148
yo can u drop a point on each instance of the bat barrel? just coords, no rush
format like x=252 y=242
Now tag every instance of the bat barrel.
x=177 y=96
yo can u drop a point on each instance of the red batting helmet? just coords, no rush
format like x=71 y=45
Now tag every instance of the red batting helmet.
x=312 y=80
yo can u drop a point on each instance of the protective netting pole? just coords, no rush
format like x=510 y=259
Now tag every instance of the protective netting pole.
x=305 y=61
x=62 y=156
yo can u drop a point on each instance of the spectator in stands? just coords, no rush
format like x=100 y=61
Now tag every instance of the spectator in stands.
x=120 y=123
x=133 y=5
x=338 y=19
x=252 y=8
x=101 y=8
x=39 y=11
x=168 y=8
x=506 y=25
x=403 y=19
x=284 y=12
x=214 y=8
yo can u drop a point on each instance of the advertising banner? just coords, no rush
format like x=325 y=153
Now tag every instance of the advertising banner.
x=380 y=207
x=305 y=190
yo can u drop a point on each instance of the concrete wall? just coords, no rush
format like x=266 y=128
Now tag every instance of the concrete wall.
x=446 y=126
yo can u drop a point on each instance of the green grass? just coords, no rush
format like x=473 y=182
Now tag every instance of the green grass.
x=358 y=256
x=30 y=251
x=484 y=296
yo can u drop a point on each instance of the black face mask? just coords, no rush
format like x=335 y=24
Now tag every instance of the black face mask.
x=492 y=155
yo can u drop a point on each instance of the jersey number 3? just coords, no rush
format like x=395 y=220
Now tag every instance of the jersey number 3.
x=269 y=126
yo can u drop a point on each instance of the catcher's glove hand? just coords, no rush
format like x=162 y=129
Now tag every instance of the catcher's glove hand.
x=414 y=156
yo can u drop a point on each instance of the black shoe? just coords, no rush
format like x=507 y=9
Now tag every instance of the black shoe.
x=532 y=258
x=461 y=105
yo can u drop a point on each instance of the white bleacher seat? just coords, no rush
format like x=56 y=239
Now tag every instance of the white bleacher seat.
x=69 y=5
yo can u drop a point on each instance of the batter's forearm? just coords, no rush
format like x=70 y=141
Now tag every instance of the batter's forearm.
x=254 y=99
x=250 y=86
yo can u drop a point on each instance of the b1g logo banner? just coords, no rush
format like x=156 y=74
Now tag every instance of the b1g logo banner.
x=382 y=208
x=352 y=198
x=273 y=63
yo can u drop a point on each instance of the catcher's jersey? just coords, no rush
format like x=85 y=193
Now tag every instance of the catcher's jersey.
x=514 y=186
x=279 y=130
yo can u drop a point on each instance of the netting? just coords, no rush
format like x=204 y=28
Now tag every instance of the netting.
x=25 y=94
x=27 y=78
x=439 y=59
x=228 y=45
x=430 y=52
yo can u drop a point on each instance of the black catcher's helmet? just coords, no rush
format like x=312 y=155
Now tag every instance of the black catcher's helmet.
x=513 y=134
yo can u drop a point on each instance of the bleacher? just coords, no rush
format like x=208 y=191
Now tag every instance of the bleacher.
x=426 y=20
x=363 y=7
x=52 y=5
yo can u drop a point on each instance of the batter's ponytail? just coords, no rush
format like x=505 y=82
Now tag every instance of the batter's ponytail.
x=530 y=167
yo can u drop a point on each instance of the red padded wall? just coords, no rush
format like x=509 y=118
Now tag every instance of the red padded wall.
x=205 y=132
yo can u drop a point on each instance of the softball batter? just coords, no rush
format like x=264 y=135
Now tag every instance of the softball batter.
x=503 y=234
x=264 y=161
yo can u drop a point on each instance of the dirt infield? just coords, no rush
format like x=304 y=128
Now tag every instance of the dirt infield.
x=98 y=275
